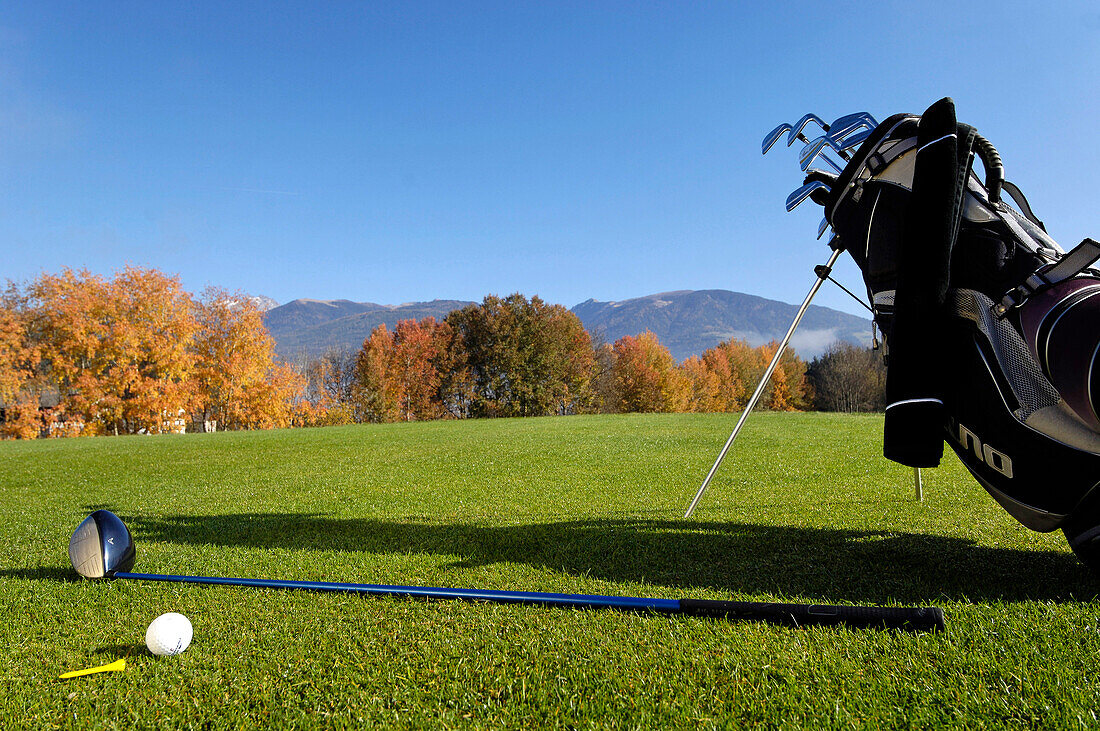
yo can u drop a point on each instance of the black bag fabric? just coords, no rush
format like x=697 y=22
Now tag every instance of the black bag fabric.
x=990 y=328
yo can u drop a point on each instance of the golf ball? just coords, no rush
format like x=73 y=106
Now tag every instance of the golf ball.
x=168 y=634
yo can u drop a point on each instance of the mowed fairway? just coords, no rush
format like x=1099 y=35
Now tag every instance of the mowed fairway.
x=804 y=509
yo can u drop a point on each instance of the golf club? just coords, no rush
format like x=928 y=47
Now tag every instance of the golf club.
x=841 y=147
x=854 y=141
x=772 y=137
x=801 y=194
x=102 y=547
x=817 y=148
x=849 y=123
x=800 y=125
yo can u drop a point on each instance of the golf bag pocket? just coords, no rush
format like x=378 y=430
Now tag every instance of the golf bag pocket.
x=1062 y=329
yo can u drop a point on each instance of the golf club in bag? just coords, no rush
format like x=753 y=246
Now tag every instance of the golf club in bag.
x=991 y=330
x=102 y=547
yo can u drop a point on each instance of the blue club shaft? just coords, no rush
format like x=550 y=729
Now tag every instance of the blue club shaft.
x=918 y=619
x=578 y=601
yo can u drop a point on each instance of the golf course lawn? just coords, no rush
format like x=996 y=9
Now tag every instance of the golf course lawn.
x=804 y=509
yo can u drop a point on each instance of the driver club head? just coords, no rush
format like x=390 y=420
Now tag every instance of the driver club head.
x=101 y=546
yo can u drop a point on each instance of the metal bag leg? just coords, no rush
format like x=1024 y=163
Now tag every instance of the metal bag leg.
x=822 y=274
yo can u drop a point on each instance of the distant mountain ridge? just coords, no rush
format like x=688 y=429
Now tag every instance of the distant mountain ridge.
x=310 y=327
x=687 y=322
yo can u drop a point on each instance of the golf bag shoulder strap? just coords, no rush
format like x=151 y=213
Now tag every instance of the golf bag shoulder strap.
x=917 y=369
x=1021 y=202
x=1076 y=261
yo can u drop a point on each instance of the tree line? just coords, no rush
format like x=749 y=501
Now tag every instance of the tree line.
x=515 y=356
x=84 y=354
x=81 y=354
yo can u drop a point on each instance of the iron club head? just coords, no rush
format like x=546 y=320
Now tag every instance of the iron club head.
x=816 y=149
x=101 y=546
x=801 y=194
x=772 y=137
x=855 y=140
x=800 y=125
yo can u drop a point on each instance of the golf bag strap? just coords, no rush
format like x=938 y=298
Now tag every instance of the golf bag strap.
x=880 y=160
x=1018 y=198
x=918 y=367
x=1073 y=263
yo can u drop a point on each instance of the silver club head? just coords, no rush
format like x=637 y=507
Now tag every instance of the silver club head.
x=772 y=137
x=854 y=117
x=817 y=148
x=840 y=132
x=855 y=140
x=828 y=141
x=833 y=168
x=798 y=196
x=800 y=125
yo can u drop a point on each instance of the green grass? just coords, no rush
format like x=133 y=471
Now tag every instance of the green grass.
x=804 y=509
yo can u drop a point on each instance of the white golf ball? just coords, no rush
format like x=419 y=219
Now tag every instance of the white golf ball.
x=168 y=634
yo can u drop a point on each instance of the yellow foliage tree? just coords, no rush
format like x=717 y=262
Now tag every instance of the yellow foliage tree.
x=647 y=377
x=117 y=350
x=241 y=385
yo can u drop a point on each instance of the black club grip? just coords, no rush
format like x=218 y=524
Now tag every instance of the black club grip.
x=914 y=619
x=994 y=168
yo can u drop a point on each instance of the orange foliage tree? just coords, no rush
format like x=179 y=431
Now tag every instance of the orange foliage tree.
x=372 y=393
x=647 y=376
x=736 y=366
x=20 y=387
x=400 y=375
x=706 y=386
x=787 y=388
x=117 y=350
x=240 y=383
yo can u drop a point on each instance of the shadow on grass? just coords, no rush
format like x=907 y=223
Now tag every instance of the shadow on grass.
x=43 y=573
x=813 y=564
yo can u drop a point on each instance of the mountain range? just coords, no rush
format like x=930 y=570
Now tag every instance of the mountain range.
x=687 y=322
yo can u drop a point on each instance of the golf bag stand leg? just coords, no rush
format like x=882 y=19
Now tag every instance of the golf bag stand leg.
x=822 y=274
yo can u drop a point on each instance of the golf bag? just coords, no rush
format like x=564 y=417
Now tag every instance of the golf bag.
x=991 y=330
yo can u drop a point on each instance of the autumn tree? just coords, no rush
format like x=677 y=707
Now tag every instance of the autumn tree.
x=417 y=349
x=240 y=382
x=605 y=392
x=647 y=376
x=20 y=385
x=787 y=387
x=117 y=350
x=733 y=363
x=523 y=357
x=372 y=391
x=704 y=394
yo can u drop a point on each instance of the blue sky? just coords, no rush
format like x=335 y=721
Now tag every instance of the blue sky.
x=409 y=151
